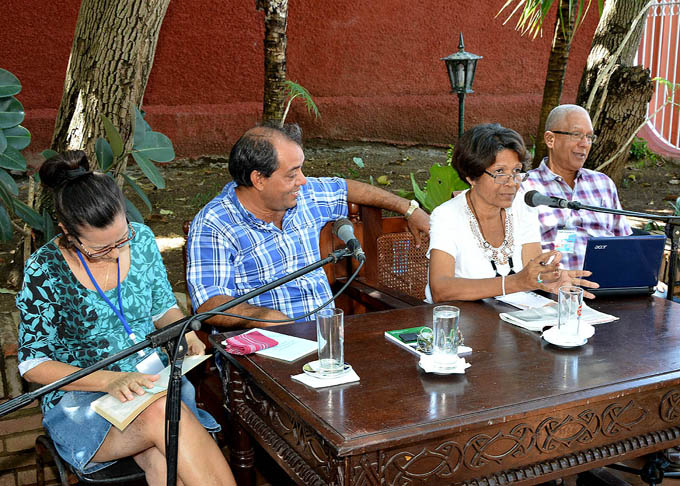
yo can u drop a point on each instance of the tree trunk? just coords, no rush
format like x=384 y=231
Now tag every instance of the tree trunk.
x=275 y=41
x=619 y=103
x=111 y=58
x=557 y=67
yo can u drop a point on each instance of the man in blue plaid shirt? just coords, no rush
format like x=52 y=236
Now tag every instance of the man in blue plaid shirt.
x=266 y=224
x=569 y=136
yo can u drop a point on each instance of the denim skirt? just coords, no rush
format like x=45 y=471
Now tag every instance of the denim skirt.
x=78 y=431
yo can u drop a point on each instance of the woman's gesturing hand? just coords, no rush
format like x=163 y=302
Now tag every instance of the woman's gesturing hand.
x=573 y=277
x=541 y=270
x=125 y=386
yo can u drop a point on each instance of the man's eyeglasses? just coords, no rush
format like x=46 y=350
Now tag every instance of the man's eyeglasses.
x=517 y=178
x=105 y=251
x=577 y=136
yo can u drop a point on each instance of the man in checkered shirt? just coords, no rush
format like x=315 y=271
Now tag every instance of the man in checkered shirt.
x=265 y=225
x=569 y=136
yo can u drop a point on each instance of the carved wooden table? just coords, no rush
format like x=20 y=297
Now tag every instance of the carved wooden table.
x=524 y=412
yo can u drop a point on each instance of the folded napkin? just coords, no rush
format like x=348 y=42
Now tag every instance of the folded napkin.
x=248 y=342
x=429 y=365
x=314 y=382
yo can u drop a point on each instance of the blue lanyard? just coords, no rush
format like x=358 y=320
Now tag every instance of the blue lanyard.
x=118 y=311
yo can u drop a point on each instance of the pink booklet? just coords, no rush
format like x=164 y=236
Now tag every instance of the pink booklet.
x=247 y=343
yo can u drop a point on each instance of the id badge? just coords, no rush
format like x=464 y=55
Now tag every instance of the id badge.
x=151 y=365
x=565 y=241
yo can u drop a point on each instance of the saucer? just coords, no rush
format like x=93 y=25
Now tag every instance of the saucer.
x=428 y=365
x=556 y=338
x=312 y=369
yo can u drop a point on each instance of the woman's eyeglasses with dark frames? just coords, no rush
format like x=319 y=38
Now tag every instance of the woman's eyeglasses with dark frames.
x=105 y=251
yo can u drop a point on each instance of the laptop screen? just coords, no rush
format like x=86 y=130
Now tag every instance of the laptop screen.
x=624 y=261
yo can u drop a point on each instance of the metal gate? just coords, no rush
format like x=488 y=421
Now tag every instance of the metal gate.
x=659 y=52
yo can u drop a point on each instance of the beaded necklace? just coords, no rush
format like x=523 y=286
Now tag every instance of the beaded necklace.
x=497 y=256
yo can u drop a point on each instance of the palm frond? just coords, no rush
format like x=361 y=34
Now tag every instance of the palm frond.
x=295 y=90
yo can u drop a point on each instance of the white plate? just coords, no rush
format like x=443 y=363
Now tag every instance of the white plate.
x=556 y=338
x=312 y=369
x=428 y=366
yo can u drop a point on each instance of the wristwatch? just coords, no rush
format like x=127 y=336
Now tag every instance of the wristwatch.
x=411 y=207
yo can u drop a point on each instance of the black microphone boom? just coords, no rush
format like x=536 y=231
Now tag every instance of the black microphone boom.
x=344 y=230
x=535 y=198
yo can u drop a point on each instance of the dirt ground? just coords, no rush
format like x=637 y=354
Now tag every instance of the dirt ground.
x=191 y=183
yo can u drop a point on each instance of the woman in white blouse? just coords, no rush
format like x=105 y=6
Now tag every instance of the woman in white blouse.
x=486 y=241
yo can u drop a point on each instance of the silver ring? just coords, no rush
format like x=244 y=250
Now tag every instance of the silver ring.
x=538 y=278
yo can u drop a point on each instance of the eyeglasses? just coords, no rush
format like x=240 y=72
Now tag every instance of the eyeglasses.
x=502 y=179
x=105 y=251
x=578 y=136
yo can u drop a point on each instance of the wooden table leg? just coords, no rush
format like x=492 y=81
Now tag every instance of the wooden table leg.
x=242 y=454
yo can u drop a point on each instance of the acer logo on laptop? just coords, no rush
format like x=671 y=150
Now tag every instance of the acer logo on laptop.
x=599 y=247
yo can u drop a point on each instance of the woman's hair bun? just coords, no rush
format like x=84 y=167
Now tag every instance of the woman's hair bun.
x=63 y=168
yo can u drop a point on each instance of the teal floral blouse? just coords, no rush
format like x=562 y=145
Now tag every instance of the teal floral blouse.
x=63 y=321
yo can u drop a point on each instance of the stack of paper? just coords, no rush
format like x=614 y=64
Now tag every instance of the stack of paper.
x=525 y=300
x=540 y=317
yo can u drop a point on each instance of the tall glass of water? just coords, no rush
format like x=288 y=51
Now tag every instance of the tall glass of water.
x=445 y=330
x=330 y=335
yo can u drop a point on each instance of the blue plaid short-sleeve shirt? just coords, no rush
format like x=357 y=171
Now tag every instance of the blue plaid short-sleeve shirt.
x=231 y=252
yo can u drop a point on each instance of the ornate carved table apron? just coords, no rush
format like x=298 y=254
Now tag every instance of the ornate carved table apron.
x=524 y=412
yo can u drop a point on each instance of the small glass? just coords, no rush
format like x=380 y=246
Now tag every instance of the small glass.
x=425 y=338
x=570 y=307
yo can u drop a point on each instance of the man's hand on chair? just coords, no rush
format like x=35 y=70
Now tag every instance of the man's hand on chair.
x=418 y=224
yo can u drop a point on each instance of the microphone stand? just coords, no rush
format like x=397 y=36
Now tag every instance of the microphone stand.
x=672 y=232
x=166 y=335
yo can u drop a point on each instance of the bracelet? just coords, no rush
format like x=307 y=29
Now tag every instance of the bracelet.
x=503 y=284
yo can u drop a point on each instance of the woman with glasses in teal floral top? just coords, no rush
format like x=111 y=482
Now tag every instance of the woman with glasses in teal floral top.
x=486 y=242
x=92 y=291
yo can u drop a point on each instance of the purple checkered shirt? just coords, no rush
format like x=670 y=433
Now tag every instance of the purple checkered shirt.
x=590 y=188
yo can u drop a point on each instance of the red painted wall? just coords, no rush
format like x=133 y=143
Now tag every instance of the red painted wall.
x=373 y=68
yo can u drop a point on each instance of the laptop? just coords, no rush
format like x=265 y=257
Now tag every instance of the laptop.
x=624 y=265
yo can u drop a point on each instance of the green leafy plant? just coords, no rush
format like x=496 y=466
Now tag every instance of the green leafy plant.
x=294 y=90
x=640 y=153
x=439 y=188
x=13 y=139
x=148 y=147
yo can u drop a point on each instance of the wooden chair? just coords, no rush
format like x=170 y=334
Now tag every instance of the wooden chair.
x=395 y=272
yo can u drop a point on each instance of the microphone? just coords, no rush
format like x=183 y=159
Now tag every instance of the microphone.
x=344 y=230
x=535 y=198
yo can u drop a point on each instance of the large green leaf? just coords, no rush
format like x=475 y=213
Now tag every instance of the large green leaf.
x=156 y=146
x=6 y=196
x=5 y=225
x=438 y=189
x=11 y=112
x=150 y=170
x=113 y=136
x=48 y=226
x=49 y=153
x=12 y=159
x=8 y=182
x=17 y=137
x=9 y=83
x=141 y=127
x=29 y=215
x=3 y=141
x=138 y=190
x=104 y=154
x=132 y=212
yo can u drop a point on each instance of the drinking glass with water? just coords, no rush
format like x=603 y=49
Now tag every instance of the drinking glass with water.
x=445 y=330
